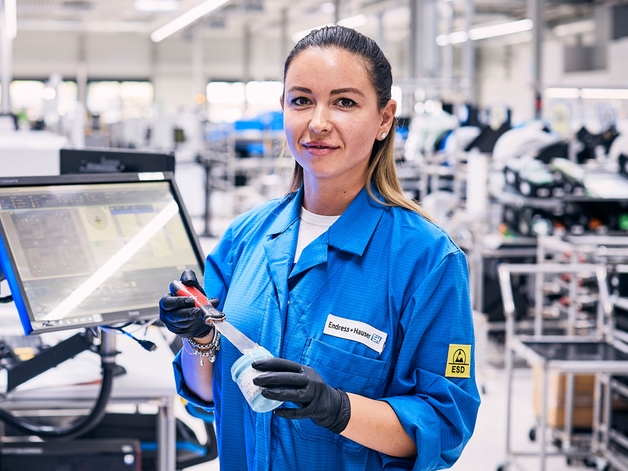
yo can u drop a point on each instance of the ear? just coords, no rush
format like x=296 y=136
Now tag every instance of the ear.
x=281 y=101
x=387 y=116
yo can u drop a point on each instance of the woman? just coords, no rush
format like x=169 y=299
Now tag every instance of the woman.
x=362 y=300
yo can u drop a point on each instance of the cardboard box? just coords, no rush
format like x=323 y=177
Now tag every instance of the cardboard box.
x=583 y=398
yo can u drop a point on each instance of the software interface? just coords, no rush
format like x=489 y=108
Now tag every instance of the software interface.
x=97 y=253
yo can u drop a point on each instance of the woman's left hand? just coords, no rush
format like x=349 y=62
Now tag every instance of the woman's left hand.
x=287 y=380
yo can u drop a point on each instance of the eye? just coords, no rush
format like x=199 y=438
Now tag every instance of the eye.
x=299 y=101
x=345 y=102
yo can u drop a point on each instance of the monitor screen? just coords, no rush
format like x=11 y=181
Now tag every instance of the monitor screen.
x=81 y=161
x=93 y=250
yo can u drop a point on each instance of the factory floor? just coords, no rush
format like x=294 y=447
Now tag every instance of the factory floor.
x=486 y=450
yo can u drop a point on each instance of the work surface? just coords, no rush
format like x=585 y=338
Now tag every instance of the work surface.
x=148 y=374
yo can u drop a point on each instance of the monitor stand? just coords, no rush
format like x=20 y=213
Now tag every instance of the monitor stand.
x=23 y=371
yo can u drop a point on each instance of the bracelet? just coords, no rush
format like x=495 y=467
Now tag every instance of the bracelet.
x=206 y=336
x=205 y=350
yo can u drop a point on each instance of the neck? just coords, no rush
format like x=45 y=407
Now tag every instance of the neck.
x=326 y=199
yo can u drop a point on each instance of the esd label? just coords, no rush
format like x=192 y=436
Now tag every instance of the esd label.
x=458 y=361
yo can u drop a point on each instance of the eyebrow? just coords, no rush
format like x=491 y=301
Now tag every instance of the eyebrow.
x=338 y=91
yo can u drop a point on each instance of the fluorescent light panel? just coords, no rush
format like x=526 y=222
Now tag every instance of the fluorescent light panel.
x=604 y=93
x=587 y=93
x=485 y=32
x=351 y=22
x=562 y=93
x=186 y=19
x=156 y=5
x=10 y=19
x=501 y=30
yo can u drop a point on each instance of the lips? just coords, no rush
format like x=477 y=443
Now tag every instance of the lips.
x=318 y=145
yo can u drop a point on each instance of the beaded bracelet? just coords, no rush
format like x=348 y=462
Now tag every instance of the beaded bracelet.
x=205 y=350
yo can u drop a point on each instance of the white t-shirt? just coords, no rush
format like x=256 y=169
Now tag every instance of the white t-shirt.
x=311 y=226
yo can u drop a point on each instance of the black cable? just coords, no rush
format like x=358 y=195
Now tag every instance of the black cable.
x=146 y=344
x=79 y=426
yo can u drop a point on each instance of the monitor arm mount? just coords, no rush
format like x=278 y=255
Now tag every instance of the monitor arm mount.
x=52 y=357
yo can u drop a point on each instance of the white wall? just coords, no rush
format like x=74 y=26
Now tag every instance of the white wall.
x=504 y=73
x=133 y=56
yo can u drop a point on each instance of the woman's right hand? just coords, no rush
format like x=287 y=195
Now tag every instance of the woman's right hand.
x=180 y=315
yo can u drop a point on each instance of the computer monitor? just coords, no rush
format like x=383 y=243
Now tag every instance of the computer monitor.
x=89 y=250
x=95 y=160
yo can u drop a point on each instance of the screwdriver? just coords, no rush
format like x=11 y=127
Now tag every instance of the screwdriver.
x=211 y=315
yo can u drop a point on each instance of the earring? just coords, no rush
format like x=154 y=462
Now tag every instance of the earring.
x=383 y=136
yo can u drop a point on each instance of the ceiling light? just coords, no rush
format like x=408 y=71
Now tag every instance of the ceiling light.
x=10 y=18
x=48 y=93
x=561 y=93
x=351 y=22
x=457 y=37
x=604 y=93
x=501 y=30
x=156 y=5
x=587 y=93
x=485 y=32
x=186 y=19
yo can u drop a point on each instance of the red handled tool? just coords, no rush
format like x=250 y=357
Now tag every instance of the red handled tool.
x=210 y=313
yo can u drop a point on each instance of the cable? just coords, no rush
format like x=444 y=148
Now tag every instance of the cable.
x=146 y=344
x=87 y=423
x=79 y=426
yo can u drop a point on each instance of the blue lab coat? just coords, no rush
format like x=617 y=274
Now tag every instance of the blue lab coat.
x=386 y=267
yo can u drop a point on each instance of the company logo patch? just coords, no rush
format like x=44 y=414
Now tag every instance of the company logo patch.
x=458 y=361
x=356 y=331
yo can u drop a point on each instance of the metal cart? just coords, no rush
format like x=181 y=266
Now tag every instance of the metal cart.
x=597 y=352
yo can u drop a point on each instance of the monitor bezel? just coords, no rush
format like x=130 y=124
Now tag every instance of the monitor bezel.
x=7 y=261
x=69 y=156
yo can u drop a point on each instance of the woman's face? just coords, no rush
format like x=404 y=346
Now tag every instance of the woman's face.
x=331 y=116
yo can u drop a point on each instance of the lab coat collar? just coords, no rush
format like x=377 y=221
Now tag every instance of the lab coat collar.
x=287 y=216
x=363 y=213
x=352 y=232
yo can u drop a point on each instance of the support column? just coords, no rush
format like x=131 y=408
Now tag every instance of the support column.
x=154 y=63
x=468 y=57
x=283 y=44
x=429 y=31
x=6 y=75
x=337 y=11
x=535 y=13
x=381 y=32
x=198 y=79
x=423 y=47
x=81 y=70
x=414 y=39
x=447 y=57
x=246 y=59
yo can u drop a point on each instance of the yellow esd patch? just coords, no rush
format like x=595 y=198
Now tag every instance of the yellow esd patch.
x=458 y=361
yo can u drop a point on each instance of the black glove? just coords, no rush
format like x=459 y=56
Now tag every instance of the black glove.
x=180 y=315
x=290 y=381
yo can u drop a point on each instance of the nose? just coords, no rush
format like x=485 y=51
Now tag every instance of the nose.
x=319 y=123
